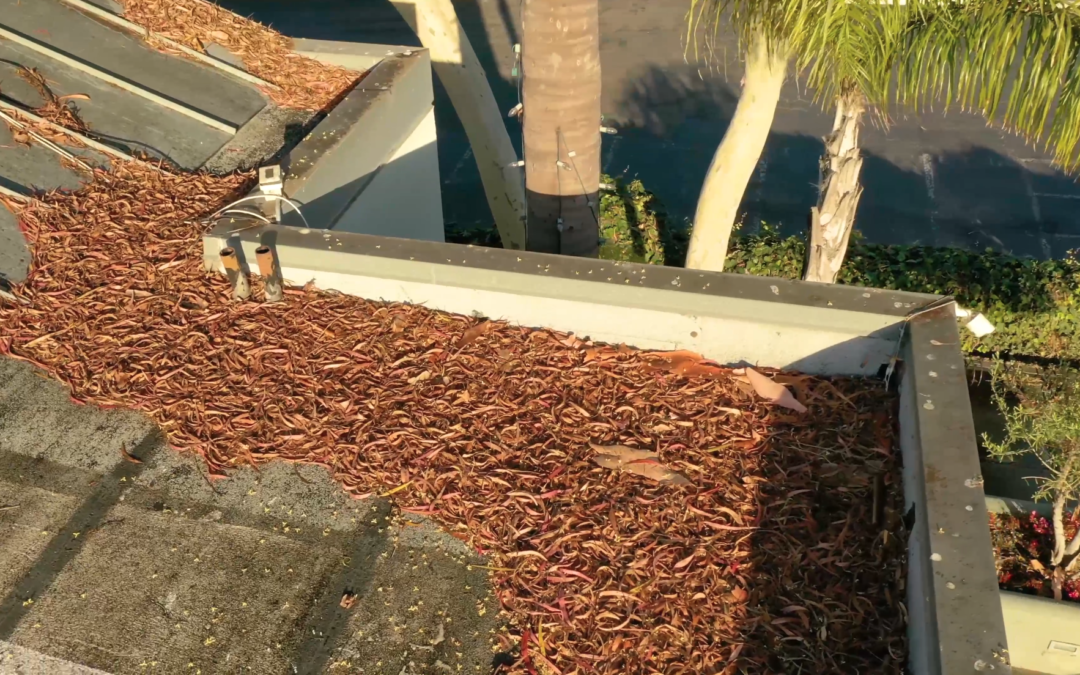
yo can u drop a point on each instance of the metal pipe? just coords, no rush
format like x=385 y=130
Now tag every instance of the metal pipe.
x=241 y=289
x=271 y=274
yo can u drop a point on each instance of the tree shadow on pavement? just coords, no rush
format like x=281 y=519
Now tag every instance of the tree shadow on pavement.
x=672 y=119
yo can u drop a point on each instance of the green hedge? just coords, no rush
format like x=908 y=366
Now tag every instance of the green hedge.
x=1035 y=305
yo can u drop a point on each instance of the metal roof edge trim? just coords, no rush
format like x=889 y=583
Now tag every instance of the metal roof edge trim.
x=955 y=613
x=466 y=265
x=356 y=55
x=731 y=318
x=361 y=133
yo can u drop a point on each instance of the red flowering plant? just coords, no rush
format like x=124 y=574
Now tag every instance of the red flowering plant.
x=1024 y=548
x=1042 y=418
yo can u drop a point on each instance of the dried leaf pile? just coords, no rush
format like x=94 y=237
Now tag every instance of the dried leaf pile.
x=783 y=553
x=55 y=109
x=305 y=83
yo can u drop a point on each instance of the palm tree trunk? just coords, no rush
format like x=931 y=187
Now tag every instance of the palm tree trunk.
x=833 y=219
x=560 y=54
x=455 y=64
x=737 y=157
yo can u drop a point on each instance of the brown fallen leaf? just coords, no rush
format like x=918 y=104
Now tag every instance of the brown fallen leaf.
x=1037 y=566
x=685 y=363
x=128 y=456
x=474 y=333
x=641 y=462
x=398 y=324
x=670 y=360
x=738 y=592
x=348 y=599
x=684 y=562
x=772 y=391
x=601 y=353
x=573 y=342
x=689 y=369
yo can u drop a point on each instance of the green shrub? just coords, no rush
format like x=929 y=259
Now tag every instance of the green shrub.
x=633 y=226
x=1033 y=304
x=1041 y=412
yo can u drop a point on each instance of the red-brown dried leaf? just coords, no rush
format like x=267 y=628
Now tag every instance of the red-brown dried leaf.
x=473 y=334
x=128 y=456
x=685 y=363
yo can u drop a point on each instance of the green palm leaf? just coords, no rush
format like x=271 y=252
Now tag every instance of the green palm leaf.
x=1017 y=62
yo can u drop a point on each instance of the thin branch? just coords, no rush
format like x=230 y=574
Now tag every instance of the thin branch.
x=1059 y=529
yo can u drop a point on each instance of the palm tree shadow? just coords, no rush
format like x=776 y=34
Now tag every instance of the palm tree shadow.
x=672 y=119
x=632 y=220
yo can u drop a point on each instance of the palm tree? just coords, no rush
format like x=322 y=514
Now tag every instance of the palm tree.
x=452 y=58
x=560 y=55
x=937 y=50
x=847 y=50
x=850 y=56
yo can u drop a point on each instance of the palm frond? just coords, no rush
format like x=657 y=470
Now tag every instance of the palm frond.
x=1017 y=62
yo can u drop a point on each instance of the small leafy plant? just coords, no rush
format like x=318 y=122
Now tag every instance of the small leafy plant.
x=634 y=228
x=1041 y=412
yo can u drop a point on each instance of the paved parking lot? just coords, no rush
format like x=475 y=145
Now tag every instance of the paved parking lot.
x=932 y=179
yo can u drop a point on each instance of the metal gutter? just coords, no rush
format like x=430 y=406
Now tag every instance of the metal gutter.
x=956 y=623
x=955 y=615
x=730 y=318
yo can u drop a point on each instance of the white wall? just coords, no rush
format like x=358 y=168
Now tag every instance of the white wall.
x=405 y=197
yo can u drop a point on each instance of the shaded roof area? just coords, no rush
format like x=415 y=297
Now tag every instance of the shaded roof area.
x=142 y=564
x=129 y=95
x=163 y=106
